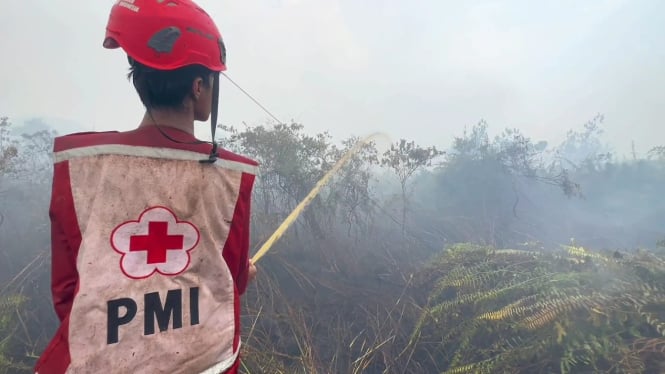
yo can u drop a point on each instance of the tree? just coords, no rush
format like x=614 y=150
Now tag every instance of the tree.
x=405 y=159
x=8 y=149
x=584 y=150
x=657 y=152
x=477 y=185
x=35 y=158
x=25 y=310
x=291 y=162
x=8 y=153
x=27 y=157
x=350 y=191
x=520 y=157
x=475 y=195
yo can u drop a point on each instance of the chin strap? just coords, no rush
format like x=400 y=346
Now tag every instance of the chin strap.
x=213 y=121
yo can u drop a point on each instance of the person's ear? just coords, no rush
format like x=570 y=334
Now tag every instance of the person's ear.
x=197 y=88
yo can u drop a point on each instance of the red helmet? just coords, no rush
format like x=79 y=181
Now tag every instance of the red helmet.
x=166 y=34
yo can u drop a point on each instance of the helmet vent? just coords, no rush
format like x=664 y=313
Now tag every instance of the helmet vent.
x=164 y=40
x=222 y=50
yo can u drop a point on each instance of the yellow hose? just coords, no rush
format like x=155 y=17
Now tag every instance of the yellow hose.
x=308 y=199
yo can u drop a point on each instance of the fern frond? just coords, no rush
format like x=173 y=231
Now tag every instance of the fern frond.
x=652 y=319
x=461 y=277
x=551 y=309
x=516 y=253
x=480 y=367
x=11 y=301
x=575 y=309
x=583 y=253
x=473 y=298
x=509 y=311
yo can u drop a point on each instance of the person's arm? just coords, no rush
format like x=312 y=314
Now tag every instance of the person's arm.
x=236 y=249
x=63 y=262
x=63 y=272
x=245 y=272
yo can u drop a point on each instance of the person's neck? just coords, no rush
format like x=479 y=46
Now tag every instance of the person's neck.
x=178 y=120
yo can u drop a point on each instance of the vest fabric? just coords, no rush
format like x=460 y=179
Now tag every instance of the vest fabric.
x=150 y=254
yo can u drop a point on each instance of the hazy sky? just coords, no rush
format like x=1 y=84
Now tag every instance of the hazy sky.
x=416 y=69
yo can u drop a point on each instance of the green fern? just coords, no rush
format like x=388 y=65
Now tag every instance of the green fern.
x=9 y=306
x=574 y=309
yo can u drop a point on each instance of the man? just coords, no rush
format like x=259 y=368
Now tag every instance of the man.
x=150 y=227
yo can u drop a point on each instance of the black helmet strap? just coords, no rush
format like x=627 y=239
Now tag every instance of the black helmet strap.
x=213 y=121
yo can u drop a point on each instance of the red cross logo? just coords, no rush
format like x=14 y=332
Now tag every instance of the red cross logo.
x=156 y=242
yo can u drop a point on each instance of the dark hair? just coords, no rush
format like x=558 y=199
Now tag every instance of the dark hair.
x=165 y=89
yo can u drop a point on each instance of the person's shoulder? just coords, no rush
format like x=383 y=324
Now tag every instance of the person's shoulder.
x=83 y=139
x=236 y=161
x=225 y=154
x=150 y=138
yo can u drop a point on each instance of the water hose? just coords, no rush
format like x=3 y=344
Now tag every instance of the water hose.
x=308 y=199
